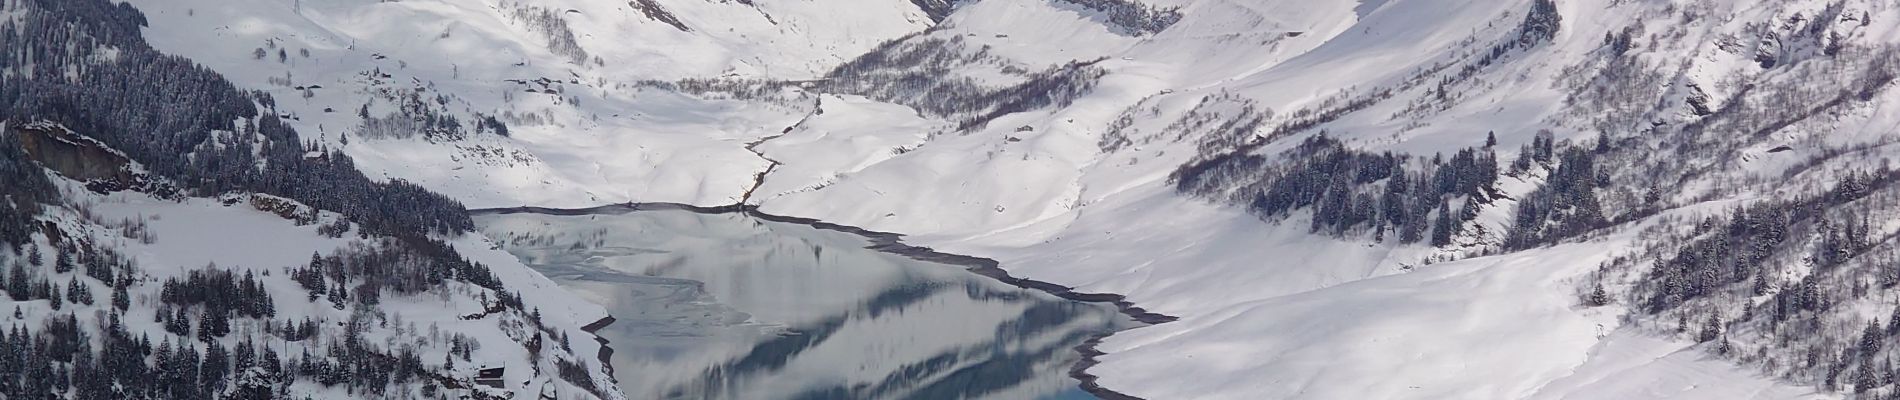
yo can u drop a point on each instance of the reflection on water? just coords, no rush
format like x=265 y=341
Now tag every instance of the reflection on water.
x=729 y=306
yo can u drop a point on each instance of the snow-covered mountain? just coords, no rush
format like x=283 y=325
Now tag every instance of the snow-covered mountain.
x=1339 y=199
x=165 y=235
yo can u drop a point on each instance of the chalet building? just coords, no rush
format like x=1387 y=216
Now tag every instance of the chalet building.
x=491 y=377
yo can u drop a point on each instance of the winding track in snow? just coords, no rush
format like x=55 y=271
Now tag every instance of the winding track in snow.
x=758 y=179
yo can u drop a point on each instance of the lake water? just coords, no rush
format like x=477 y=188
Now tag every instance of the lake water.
x=728 y=306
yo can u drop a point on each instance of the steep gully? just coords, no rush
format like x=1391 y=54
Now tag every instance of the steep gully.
x=887 y=242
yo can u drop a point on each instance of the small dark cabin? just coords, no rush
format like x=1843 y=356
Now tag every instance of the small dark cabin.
x=490 y=377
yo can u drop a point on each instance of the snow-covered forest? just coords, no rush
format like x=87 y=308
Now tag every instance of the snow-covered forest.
x=105 y=136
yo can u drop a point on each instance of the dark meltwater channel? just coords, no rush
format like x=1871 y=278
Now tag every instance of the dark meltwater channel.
x=728 y=306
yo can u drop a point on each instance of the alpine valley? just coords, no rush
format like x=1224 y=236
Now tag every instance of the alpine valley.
x=1271 y=199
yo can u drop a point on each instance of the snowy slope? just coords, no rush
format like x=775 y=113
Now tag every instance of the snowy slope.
x=178 y=237
x=583 y=131
x=1080 y=192
x=1270 y=311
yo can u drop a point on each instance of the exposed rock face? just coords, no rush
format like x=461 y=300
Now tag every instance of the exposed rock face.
x=936 y=9
x=1541 y=23
x=87 y=160
x=287 y=208
x=654 y=11
x=70 y=154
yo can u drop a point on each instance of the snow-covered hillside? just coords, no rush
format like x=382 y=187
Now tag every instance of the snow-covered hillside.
x=1339 y=199
x=165 y=235
x=569 y=84
x=260 y=296
x=200 y=235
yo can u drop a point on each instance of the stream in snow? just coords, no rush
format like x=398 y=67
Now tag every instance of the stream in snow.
x=727 y=305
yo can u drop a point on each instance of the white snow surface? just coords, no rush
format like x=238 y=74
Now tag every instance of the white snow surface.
x=1268 y=310
x=198 y=233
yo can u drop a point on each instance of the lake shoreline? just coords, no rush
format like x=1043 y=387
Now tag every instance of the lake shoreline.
x=606 y=352
x=892 y=243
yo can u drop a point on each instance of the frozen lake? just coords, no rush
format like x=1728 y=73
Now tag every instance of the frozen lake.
x=729 y=306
